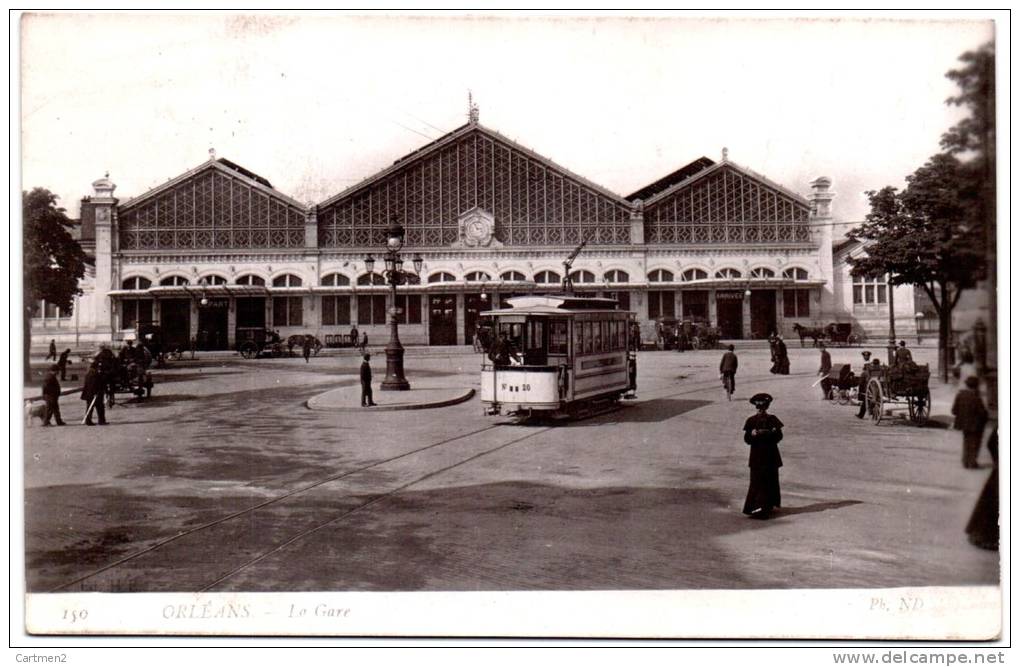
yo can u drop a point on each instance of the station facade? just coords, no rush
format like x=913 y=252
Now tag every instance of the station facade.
x=217 y=249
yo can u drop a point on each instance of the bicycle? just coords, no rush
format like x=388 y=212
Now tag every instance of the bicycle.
x=728 y=382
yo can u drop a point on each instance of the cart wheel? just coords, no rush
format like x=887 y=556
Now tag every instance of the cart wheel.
x=852 y=340
x=874 y=399
x=843 y=397
x=920 y=408
x=695 y=343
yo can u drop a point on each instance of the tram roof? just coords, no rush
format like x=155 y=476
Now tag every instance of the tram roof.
x=555 y=304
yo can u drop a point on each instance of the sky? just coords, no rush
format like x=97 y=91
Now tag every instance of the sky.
x=315 y=102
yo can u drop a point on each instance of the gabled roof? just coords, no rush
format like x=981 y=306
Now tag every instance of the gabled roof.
x=224 y=166
x=681 y=174
x=452 y=137
x=750 y=173
x=843 y=244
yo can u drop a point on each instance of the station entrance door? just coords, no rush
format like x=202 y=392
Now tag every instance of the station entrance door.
x=442 y=319
x=729 y=306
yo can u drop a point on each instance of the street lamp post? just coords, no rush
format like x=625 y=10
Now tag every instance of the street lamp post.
x=394 y=275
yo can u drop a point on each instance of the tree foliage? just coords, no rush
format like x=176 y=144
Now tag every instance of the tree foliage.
x=928 y=235
x=53 y=260
x=976 y=80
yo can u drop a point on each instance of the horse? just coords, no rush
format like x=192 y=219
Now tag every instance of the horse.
x=805 y=332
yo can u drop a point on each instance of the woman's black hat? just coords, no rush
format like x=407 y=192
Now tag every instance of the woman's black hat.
x=761 y=400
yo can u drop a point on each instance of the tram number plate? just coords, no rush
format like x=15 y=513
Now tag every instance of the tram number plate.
x=523 y=387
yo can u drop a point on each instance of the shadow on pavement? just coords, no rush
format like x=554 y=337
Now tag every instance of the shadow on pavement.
x=817 y=507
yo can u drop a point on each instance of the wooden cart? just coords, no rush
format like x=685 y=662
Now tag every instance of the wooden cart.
x=896 y=387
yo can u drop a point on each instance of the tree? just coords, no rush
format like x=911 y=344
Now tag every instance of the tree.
x=53 y=262
x=974 y=137
x=929 y=235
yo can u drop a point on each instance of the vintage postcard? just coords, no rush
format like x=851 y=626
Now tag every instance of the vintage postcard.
x=509 y=325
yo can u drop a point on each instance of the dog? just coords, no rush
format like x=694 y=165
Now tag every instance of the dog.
x=33 y=410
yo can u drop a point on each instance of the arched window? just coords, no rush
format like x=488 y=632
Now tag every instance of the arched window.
x=336 y=280
x=173 y=281
x=795 y=274
x=547 y=277
x=250 y=279
x=582 y=276
x=762 y=272
x=477 y=277
x=727 y=274
x=371 y=279
x=660 y=276
x=287 y=280
x=617 y=276
x=213 y=280
x=693 y=274
x=442 y=277
x=412 y=279
x=136 y=283
x=513 y=275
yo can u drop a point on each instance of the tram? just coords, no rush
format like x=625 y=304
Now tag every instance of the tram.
x=557 y=356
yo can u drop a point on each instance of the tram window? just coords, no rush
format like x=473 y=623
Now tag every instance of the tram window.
x=514 y=332
x=589 y=338
x=578 y=338
x=558 y=337
x=536 y=334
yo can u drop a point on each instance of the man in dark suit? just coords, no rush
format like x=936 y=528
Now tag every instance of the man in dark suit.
x=366 y=383
x=93 y=394
x=51 y=394
x=728 y=370
x=971 y=418
x=62 y=363
x=823 y=371
x=53 y=350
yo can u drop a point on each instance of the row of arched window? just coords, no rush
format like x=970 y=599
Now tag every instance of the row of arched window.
x=542 y=277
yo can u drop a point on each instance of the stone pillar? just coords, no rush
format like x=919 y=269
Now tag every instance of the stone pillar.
x=637 y=223
x=461 y=324
x=104 y=205
x=231 y=323
x=312 y=315
x=745 y=316
x=312 y=229
x=821 y=235
x=713 y=315
x=780 y=310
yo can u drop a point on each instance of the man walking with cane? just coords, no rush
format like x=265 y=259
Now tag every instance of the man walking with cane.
x=93 y=394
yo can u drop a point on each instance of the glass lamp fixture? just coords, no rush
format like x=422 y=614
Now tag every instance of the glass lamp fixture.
x=369 y=263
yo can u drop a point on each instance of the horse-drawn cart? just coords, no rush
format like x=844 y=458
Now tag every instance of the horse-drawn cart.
x=255 y=342
x=902 y=385
x=834 y=333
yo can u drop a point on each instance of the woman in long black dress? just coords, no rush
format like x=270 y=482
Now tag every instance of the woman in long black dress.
x=763 y=432
x=782 y=365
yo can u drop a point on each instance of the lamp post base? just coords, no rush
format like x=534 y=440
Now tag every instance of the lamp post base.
x=395 y=380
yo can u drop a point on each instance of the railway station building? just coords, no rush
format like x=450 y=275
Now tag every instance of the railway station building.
x=218 y=249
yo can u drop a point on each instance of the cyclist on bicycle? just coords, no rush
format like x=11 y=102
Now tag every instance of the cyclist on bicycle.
x=728 y=371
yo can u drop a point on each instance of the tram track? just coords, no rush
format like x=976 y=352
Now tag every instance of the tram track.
x=207 y=529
